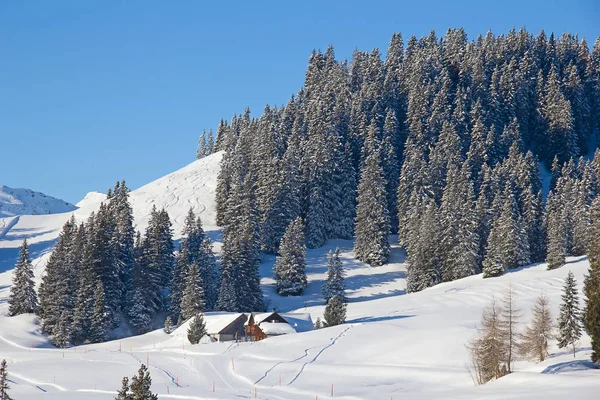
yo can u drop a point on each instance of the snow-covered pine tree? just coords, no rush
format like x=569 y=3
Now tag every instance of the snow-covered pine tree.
x=197 y=329
x=556 y=112
x=569 y=319
x=57 y=292
x=535 y=338
x=460 y=241
x=100 y=322
x=290 y=265
x=423 y=259
x=192 y=300
x=591 y=284
x=240 y=282
x=140 y=310
x=123 y=393
x=335 y=311
x=208 y=272
x=508 y=244
x=318 y=324
x=158 y=259
x=168 y=328
x=372 y=228
x=124 y=235
x=556 y=248
x=4 y=386
x=202 y=146
x=334 y=285
x=210 y=143
x=81 y=328
x=23 y=298
x=140 y=385
x=390 y=162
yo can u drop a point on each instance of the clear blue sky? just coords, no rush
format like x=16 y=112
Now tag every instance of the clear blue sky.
x=95 y=91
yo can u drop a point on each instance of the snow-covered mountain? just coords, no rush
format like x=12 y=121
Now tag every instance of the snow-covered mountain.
x=393 y=346
x=191 y=186
x=14 y=202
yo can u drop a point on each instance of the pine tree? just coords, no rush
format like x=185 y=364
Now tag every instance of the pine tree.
x=318 y=324
x=192 y=300
x=197 y=329
x=334 y=285
x=23 y=298
x=100 y=321
x=556 y=233
x=210 y=143
x=4 y=386
x=124 y=239
x=56 y=292
x=290 y=265
x=168 y=325
x=508 y=244
x=372 y=218
x=460 y=240
x=202 y=146
x=591 y=284
x=569 y=319
x=335 y=311
x=534 y=343
x=140 y=385
x=123 y=393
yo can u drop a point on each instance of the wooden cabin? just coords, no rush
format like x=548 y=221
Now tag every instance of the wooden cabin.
x=225 y=326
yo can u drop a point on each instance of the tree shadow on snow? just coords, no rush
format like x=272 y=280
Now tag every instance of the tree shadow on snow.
x=8 y=256
x=575 y=365
x=22 y=233
x=378 y=319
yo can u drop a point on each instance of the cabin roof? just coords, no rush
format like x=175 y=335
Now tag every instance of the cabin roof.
x=218 y=321
x=301 y=322
x=276 y=328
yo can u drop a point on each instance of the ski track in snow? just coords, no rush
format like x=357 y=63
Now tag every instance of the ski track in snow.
x=319 y=353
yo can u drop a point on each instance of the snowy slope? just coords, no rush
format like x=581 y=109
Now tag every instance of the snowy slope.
x=15 y=202
x=396 y=346
x=192 y=186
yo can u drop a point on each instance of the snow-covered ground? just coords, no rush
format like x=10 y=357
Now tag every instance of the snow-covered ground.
x=15 y=202
x=393 y=346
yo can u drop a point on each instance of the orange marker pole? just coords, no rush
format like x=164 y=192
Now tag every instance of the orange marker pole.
x=232 y=363
x=213 y=386
x=332 y=390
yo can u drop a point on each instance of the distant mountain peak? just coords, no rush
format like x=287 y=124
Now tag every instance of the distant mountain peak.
x=27 y=202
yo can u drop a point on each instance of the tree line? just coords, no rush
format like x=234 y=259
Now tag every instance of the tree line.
x=440 y=142
x=102 y=274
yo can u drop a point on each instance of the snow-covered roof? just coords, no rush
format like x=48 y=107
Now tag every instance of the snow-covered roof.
x=301 y=322
x=261 y=317
x=217 y=321
x=276 y=328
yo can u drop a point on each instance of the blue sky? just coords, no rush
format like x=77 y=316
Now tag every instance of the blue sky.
x=96 y=91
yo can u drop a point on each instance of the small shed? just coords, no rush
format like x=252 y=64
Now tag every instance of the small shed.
x=225 y=326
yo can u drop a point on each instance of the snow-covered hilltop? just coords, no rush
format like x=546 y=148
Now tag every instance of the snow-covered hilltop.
x=191 y=186
x=14 y=202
